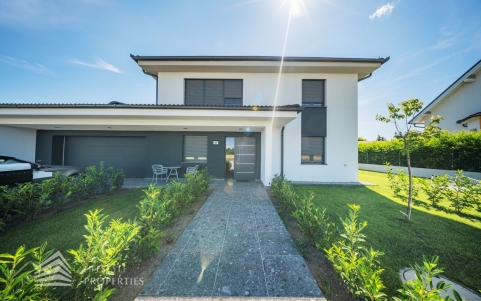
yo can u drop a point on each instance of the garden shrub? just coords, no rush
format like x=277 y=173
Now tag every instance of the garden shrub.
x=314 y=222
x=421 y=288
x=30 y=199
x=153 y=213
x=106 y=252
x=450 y=150
x=17 y=281
x=435 y=188
x=356 y=264
x=161 y=204
x=465 y=193
x=399 y=184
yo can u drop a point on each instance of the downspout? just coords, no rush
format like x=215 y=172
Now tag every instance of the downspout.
x=156 y=90
x=282 y=152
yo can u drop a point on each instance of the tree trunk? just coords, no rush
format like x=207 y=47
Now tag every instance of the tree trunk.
x=410 y=197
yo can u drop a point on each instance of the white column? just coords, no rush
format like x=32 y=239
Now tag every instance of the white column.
x=270 y=153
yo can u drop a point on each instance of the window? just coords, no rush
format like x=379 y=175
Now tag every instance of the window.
x=314 y=116
x=213 y=91
x=195 y=149
x=312 y=149
x=313 y=92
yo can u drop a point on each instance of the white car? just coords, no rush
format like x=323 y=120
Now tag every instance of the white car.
x=14 y=171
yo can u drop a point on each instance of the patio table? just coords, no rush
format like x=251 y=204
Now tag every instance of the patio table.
x=173 y=171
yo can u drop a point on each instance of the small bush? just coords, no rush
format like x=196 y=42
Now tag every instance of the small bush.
x=399 y=184
x=465 y=193
x=435 y=189
x=356 y=264
x=314 y=223
x=105 y=253
x=422 y=288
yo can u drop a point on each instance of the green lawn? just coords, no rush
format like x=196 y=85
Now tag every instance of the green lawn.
x=456 y=239
x=65 y=230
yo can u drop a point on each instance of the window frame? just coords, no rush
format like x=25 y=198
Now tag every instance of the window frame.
x=223 y=90
x=324 y=138
x=184 y=150
x=322 y=154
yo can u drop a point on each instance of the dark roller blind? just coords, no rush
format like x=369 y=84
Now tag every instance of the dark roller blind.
x=313 y=91
x=312 y=145
x=195 y=148
x=233 y=88
x=213 y=92
x=194 y=92
x=313 y=122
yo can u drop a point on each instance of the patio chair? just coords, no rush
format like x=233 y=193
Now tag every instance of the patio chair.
x=158 y=169
x=190 y=170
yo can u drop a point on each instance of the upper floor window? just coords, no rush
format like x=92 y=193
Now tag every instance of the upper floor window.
x=313 y=92
x=213 y=91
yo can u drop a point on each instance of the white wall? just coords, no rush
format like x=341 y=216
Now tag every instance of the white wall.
x=260 y=89
x=341 y=139
x=464 y=101
x=18 y=142
x=418 y=172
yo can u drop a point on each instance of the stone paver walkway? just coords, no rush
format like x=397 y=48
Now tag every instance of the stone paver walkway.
x=236 y=245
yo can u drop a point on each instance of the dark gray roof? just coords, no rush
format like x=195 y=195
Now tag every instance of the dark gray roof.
x=138 y=58
x=295 y=107
x=470 y=116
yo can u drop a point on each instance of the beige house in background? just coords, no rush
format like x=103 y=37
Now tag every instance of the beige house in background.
x=459 y=104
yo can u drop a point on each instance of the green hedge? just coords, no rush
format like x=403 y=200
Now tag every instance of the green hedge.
x=451 y=151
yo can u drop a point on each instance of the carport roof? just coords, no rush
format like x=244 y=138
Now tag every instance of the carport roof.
x=295 y=107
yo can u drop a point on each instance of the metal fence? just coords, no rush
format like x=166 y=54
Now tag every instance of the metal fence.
x=452 y=160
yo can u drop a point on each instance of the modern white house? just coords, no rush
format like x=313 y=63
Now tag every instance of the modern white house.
x=293 y=115
x=459 y=104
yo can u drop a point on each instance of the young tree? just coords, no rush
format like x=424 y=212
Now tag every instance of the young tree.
x=411 y=138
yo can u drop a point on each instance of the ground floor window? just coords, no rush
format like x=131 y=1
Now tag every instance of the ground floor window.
x=195 y=149
x=312 y=150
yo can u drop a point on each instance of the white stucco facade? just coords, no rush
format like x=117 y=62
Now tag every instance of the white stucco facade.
x=18 y=142
x=261 y=89
x=460 y=100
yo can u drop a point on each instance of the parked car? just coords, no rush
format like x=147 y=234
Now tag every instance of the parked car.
x=13 y=171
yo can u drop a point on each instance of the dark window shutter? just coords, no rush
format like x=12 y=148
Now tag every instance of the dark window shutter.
x=213 y=92
x=233 y=88
x=313 y=91
x=312 y=145
x=195 y=148
x=194 y=92
x=313 y=122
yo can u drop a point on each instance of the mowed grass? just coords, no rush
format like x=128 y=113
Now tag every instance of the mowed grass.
x=65 y=230
x=456 y=239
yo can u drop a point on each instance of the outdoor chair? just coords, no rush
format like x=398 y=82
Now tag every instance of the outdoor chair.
x=190 y=170
x=158 y=169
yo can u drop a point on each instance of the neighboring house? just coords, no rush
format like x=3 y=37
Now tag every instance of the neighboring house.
x=301 y=122
x=459 y=104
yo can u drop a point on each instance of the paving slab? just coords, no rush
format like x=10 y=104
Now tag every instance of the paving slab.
x=236 y=247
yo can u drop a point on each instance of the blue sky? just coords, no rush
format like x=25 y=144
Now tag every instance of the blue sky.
x=77 y=51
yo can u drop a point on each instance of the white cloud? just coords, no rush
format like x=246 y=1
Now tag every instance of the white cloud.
x=385 y=10
x=99 y=64
x=22 y=64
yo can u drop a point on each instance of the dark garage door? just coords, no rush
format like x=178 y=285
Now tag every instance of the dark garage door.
x=127 y=153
